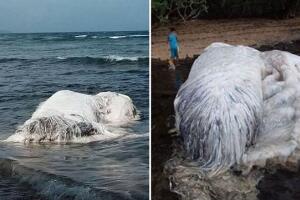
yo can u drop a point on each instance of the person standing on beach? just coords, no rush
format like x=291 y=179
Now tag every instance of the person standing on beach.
x=173 y=44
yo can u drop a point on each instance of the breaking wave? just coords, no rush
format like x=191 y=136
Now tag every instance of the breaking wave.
x=118 y=37
x=81 y=36
x=104 y=59
x=84 y=59
x=114 y=37
x=127 y=36
x=73 y=37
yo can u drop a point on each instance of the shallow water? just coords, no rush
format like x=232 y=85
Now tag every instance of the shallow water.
x=33 y=67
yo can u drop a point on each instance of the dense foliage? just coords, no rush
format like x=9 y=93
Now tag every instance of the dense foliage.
x=163 y=10
x=169 y=10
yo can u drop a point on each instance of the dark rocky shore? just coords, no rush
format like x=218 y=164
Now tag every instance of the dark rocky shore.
x=279 y=185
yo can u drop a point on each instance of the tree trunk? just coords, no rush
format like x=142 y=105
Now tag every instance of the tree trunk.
x=291 y=8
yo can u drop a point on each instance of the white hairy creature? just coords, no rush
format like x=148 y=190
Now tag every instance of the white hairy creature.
x=74 y=117
x=239 y=106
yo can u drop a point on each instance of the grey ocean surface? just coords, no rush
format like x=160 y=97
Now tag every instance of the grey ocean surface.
x=35 y=66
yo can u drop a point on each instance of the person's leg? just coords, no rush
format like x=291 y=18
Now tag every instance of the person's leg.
x=171 y=60
x=176 y=57
x=171 y=64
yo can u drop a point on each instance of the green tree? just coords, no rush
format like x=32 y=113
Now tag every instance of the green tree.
x=164 y=10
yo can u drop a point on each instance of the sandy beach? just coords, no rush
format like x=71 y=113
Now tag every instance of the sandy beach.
x=195 y=35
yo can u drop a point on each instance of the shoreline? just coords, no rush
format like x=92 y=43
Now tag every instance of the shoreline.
x=195 y=35
x=290 y=46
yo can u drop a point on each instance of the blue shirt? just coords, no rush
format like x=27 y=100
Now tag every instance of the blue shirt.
x=172 y=38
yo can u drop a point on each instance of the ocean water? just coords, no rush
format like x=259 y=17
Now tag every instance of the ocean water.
x=32 y=68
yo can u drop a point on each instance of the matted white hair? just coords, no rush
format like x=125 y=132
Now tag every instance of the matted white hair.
x=70 y=116
x=237 y=105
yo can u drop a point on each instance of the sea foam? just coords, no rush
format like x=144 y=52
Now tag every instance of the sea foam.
x=80 y=36
x=118 y=37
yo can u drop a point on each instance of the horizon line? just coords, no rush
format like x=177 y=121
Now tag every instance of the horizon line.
x=6 y=32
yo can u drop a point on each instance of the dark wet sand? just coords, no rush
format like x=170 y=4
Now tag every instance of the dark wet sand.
x=165 y=84
x=282 y=185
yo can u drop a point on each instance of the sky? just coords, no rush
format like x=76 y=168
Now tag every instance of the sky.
x=30 y=16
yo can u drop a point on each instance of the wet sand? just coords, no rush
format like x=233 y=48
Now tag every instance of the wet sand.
x=194 y=36
x=165 y=84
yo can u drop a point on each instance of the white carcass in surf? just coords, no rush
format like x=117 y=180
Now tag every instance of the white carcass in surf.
x=239 y=106
x=74 y=117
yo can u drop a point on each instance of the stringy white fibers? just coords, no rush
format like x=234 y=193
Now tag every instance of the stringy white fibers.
x=238 y=107
x=69 y=116
x=119 y=108
x=279 y=135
